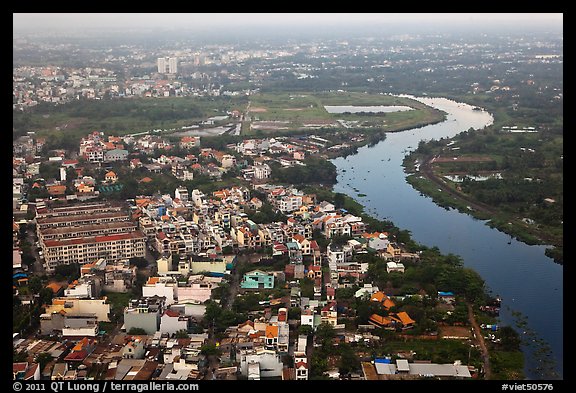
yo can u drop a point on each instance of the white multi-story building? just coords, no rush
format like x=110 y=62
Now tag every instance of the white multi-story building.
x=269 y=363
x=167 y=65
x=161 y=286
x=181 y=193
x=262 y=171
x=172 y=321
x=87 y=249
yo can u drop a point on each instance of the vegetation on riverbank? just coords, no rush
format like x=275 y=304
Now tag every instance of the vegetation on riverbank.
x=513 y=180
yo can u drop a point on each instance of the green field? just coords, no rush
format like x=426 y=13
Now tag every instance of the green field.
x=295 y=110
x=122 y=116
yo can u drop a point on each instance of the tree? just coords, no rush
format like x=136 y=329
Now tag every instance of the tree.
x=324 y=334
x=35 y=285
x=210 y=350
x=46 y=296
x=69 y=271
x=43 y=359
x=339 y=200
x=510 y=339
x=182 y=333
x=139 y=262
x=349 y=361
x=305 y=330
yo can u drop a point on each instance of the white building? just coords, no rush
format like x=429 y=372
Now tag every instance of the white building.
x=394 y=267
x=161 y=286
x=182 y=194
x=167 y=65
x=269 y=363
x=171 y=322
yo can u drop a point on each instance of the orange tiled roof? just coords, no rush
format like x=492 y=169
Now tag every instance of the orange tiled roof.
x=388 y=303
x=405 y=318
x=271 y=331
x=54 y=287
x=378 y=296
x=380 y=320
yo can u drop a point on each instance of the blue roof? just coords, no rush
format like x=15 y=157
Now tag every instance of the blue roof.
x=382 y=360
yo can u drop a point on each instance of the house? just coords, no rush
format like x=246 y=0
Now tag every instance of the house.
x=307 y=317
x=392 y=321
x=329 y=314
x=56 y=190
x=172 y=321
x=71 y=305
x=116 y=155
x=301 y=368
x=57 y=289
x=382 y=298
x=161 y=286
x=271 y=336
x=69 y=324
x=366 y=291
x=111 y=177
x=257 y=279
x=80 y=351
x=394 y=267
x=404 y=319
x=58 y=371
x=330 y=293
x=379 y=321
x=314 y=272
x=260 y=363
x=26 y=372
x=134 y=349
x=394 y=250
x=189 y=142
x=144 y=313
x=135 y=163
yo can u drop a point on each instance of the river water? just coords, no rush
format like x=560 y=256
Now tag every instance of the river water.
x=528 y=281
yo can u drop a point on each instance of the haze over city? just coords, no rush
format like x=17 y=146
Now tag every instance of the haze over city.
x=228 y=21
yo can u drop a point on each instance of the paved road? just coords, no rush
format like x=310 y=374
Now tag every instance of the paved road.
x=38 y=264
x=235 y=281
x=480 y=339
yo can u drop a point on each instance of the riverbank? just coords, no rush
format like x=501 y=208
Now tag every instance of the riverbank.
x=510 y=268
x=446 y=195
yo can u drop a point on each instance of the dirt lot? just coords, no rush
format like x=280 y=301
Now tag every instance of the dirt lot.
x=455 y=331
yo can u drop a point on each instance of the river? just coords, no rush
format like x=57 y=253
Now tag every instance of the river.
x=529 y=282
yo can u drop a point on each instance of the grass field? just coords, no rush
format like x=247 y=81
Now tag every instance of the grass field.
x=297 y=110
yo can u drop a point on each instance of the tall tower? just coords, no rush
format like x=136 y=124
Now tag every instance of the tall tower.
x=167 y=65
x=173 y=65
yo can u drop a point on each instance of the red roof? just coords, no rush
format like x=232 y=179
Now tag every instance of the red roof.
x=94 y=239
x=76 y=355
x=171 y=313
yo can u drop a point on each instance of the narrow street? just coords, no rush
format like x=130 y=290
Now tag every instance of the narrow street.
x=235 y=282
x=480 y=338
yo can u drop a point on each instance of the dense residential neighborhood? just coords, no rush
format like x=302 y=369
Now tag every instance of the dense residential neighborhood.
x=190 y=285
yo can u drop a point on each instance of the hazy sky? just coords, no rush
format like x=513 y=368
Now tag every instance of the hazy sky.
x=63 y=21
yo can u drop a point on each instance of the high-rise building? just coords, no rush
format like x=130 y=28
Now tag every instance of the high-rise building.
x=167 y=65
x=173 y=65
